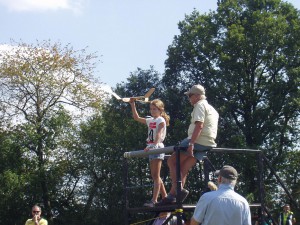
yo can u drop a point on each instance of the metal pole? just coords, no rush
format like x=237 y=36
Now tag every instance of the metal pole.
x=125 y=182
x=206 y=170
x=261 y=186
x=280 y=181
x=179 y=185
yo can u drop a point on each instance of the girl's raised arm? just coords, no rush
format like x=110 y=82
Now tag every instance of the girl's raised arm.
x=135 y=114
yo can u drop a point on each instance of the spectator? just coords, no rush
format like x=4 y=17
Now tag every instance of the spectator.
x=211 y=186
x=267 y=220
x=36 y=217
x=163 y=216
x=223 y=206
x=287 y=216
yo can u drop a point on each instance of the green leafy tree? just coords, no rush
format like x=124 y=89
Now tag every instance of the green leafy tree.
x=13 y=179
x=41 y=87
x=246 y=55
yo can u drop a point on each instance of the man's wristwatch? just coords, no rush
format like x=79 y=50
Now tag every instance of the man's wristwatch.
x=190 y=144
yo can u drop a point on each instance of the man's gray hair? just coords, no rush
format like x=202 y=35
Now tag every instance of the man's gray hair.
x=202 y=97
x=37 y=207
x=228 y=181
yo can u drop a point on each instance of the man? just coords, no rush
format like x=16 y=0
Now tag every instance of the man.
x=286 y=217
x=36 y=217
x=202 y=133
x=223 y=206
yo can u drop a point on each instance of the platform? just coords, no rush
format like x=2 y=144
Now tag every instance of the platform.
x=165 y=208
x=180 y=210
x=173 y=207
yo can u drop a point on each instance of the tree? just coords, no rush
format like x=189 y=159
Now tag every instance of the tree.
x=246 y=54
x=105 y=138
x=41 y=87
x=12 y=179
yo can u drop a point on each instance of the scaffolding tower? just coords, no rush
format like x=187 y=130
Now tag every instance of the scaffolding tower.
x=179 y=209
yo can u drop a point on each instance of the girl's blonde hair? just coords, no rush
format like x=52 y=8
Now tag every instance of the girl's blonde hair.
x=212 y=186
x=160 y=105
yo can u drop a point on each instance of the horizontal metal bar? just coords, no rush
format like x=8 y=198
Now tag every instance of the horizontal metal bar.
x=170 y=149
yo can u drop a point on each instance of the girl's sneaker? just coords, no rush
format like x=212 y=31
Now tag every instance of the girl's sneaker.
x=170 y=199
x=149 y=203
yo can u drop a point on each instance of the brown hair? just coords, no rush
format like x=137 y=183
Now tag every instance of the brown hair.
x=212 y=186
x=160 y=105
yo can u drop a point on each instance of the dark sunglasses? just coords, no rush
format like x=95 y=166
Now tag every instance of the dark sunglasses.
x=36 y=211
x=190 y=95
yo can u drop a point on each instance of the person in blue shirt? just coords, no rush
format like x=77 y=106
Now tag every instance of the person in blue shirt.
x=223 y=206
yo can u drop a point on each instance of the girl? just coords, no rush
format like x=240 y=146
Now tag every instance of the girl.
x=156 y=135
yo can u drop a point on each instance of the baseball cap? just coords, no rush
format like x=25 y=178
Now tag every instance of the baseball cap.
x=227 y=172
x=196 y=89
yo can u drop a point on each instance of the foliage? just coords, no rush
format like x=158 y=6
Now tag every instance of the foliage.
x=41 y=87
x=12 y=179
x=246 y=55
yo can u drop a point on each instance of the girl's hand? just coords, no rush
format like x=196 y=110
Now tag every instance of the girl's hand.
x=132 y=100
x=149 y=147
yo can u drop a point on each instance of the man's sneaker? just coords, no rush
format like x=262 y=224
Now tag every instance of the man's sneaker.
x=149 y=203
x=183 y=194
x=170 y=199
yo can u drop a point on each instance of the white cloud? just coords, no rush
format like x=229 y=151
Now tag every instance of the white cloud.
x=4 y=47
x=43 y=5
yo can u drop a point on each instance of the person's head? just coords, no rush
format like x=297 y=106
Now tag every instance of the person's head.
x=211 y=185
x=286 y=208
x=36 y=211
x=196 y=93
x=157 y=108
x=227 y=175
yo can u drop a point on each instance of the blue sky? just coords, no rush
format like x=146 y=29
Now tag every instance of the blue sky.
x=126 y=34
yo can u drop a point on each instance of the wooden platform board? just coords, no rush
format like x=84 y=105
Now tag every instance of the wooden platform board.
x=165 y=208
x=172 y=207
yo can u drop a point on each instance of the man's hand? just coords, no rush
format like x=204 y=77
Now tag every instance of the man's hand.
x=190 y=150
x=36 y=219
